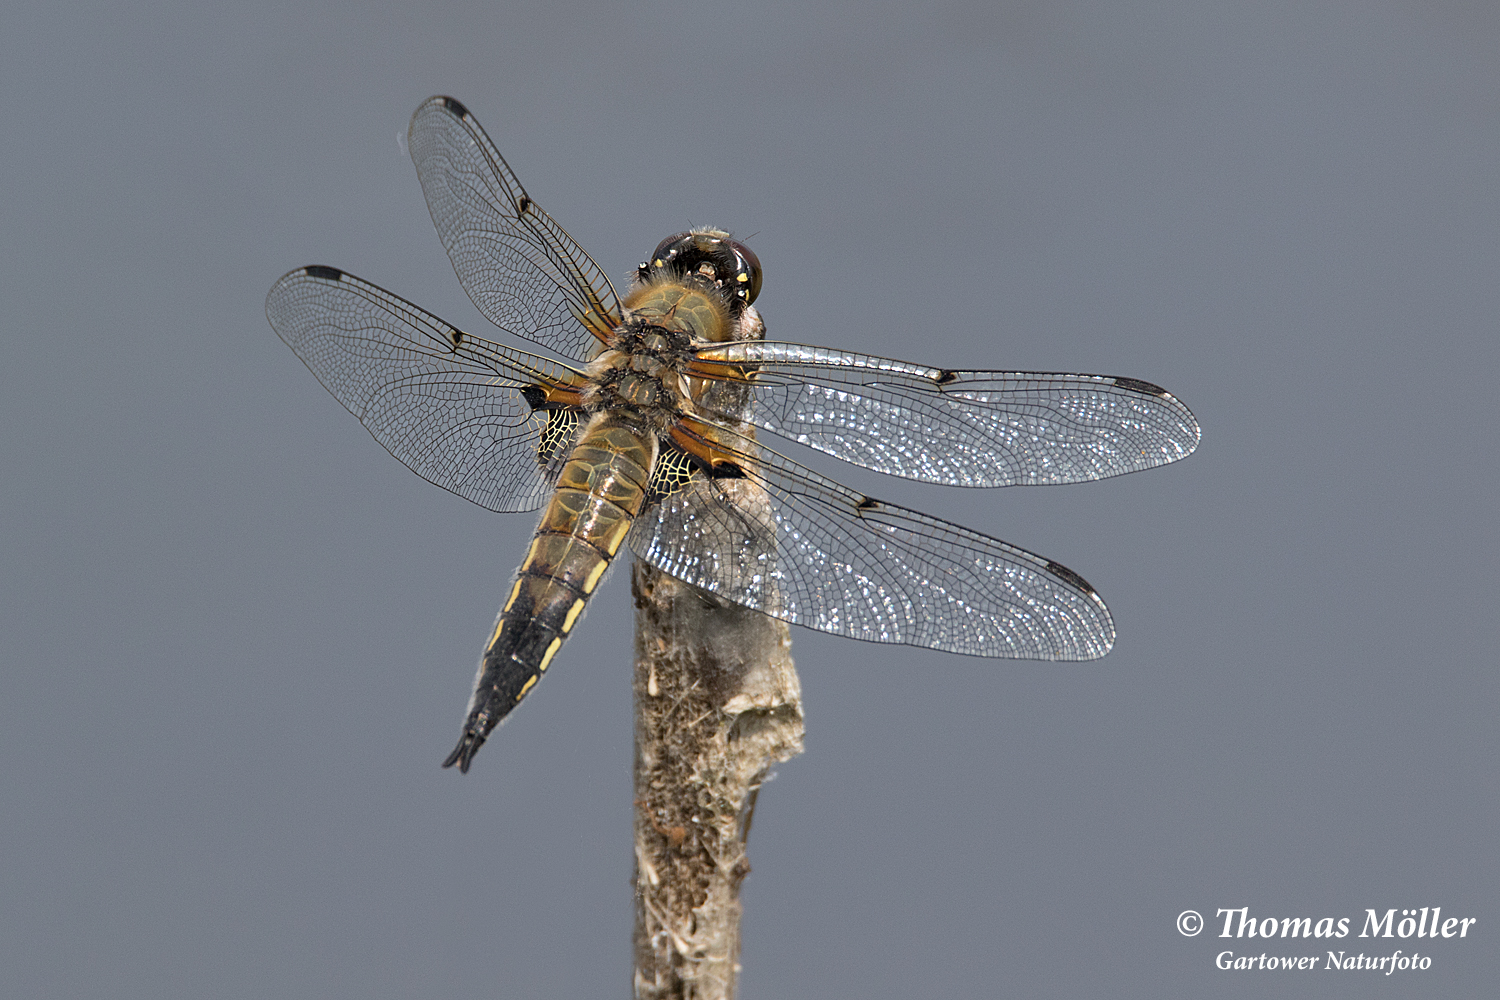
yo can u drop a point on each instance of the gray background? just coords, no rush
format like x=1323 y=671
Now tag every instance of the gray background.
x=238 y=636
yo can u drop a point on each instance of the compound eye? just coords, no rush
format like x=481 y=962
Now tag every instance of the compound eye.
x=712 y=255
x=670 y=247
x=747 y=270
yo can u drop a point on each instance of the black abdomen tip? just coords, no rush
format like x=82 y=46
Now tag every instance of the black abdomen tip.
x=463 y=754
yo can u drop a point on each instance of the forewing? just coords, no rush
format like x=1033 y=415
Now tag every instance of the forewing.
x=518 y=266
x=446 y=404
x=788 y=542
x=963 y=428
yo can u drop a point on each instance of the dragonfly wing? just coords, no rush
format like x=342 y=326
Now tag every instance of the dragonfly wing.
x=779 y=538
x=962 y=428
x=448 y=405
x=518 y=266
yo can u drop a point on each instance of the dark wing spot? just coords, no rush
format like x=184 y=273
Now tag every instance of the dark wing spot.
x=535 y=396
x=523 y=204
x=557 y=435
x=867 y=503
x=727 y=470
x=457 y=336
x=944 y=377
x=456 y=108
x=326 y=273
x=1136 y=385
x=674 y=470
x=1068 y=576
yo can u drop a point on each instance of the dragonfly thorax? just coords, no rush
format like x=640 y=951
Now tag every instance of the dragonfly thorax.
x=642 y=370
x=678 y=311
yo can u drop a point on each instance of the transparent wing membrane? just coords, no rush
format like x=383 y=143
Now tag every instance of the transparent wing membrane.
x=523 y=272
x=963 y=428
x=781 y=539
x=448 y=405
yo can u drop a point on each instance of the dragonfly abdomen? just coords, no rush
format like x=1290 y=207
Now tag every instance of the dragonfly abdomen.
x=601 y=490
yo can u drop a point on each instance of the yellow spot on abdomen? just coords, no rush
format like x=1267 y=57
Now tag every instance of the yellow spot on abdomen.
x=515 y=593
x=615 y=536
x=552 y=649
x=573 y=613
x=593 y=578
x=530 y=681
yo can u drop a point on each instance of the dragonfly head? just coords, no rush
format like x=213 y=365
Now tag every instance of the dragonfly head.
x=710 y=255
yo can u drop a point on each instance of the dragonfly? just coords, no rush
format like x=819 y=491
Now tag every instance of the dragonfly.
x=640 y=427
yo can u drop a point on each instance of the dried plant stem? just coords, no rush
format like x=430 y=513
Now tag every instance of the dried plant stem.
x=717 y=705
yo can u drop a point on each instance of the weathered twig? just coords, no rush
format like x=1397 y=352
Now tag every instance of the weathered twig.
x=717 y=705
